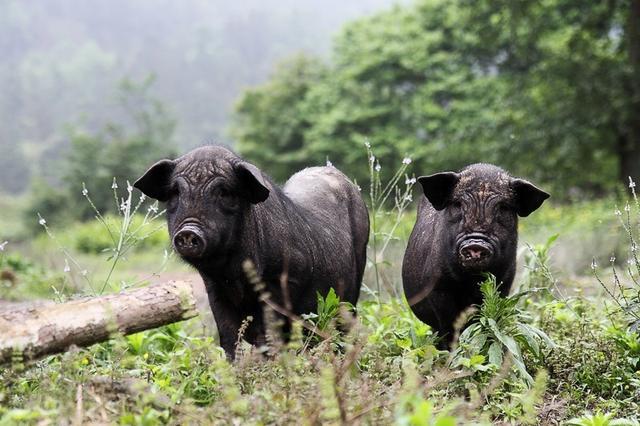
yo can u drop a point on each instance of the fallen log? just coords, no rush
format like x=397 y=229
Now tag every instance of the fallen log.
x=30 y=333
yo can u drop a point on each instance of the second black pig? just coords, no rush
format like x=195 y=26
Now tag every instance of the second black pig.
x=222 y=211
x=466 y=227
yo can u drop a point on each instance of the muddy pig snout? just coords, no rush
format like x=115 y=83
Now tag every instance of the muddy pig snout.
x=475 y=251
x=189 y=241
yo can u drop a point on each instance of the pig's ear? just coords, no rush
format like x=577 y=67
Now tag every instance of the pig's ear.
x=439 y=187
x=528 y=196
x=253 y=182
x=155 y=182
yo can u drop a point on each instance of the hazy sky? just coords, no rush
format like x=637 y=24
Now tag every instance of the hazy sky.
x=63 y=60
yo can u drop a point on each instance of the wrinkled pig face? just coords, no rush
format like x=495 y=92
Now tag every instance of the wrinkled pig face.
x=207 y=192
x=481 y=205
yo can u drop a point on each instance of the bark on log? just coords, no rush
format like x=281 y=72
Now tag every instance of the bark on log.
x=31 y=333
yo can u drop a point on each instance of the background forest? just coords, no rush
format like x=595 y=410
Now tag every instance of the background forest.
x=548 y=90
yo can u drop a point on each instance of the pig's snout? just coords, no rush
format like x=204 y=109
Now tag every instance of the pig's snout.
x=475 y=251
x=189 y=241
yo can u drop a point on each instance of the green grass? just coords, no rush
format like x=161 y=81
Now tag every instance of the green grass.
x=386 y=370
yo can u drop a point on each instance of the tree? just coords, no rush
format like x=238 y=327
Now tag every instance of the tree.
x=122 y=151
x=572 y=86
x=399 y=80
x=402 y=80
x=548 y=90
x=271 y=123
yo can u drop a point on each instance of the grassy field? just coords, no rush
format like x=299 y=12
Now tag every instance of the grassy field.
x=562 y=353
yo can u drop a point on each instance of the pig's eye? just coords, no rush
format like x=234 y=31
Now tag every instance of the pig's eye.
x=172 y=202
x=505 y=214
x=455 y=210
x=504 y=208
x=224 y=193
x=227 y=198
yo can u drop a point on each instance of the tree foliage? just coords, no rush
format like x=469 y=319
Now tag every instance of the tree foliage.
x=276 y=122
x=118 y=151
x=544 y=89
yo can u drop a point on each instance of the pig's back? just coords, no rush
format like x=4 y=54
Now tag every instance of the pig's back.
x=338 y=216
x=320 y=189
x=328 y=195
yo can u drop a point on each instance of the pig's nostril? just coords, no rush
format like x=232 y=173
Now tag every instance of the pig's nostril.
x=475 y=252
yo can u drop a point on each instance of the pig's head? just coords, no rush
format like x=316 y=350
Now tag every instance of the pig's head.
x=480 y=206
x=208 y=193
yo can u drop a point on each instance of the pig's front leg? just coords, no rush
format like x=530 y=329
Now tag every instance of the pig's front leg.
x=439 y=310
x=227 y=319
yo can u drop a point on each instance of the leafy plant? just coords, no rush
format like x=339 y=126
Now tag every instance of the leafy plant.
x=600 y=419
x=414 y=410
x=500 y=327
x=331 y=314
x=395 y=331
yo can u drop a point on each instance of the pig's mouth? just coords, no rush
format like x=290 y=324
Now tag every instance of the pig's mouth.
x=475 y=251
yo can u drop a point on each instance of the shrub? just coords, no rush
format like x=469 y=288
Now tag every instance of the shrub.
x=93 y=237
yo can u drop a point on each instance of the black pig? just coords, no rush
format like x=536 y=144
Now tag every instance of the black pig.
x=222 y=210
x=466 y=227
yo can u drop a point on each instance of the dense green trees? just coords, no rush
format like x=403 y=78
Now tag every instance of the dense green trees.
x=546 y=89
x=275 y=113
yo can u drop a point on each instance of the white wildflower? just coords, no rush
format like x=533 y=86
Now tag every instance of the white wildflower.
x=84 y=272
x=594 y=265
x=618 y=212
x=153 y=208
x=406 y=160
x=2 y=246
x=410 y=181
x=372 y=159
x=627 y=208
x=367 y=144
x=129 y=187
x=329 y=163
x=358 y=187
x=612 y=259
x=409 y=197
x=378 y=167
x=67 y=268
x=114 y=185
x=632 y=184
x=85 y=191
x=42 y=221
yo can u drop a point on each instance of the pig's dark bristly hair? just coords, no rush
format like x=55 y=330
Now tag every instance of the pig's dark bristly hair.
x=314 y=229
x=466 y=226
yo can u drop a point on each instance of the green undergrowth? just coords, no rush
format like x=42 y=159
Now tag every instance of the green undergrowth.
x=385 y=370
x=534 y=357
